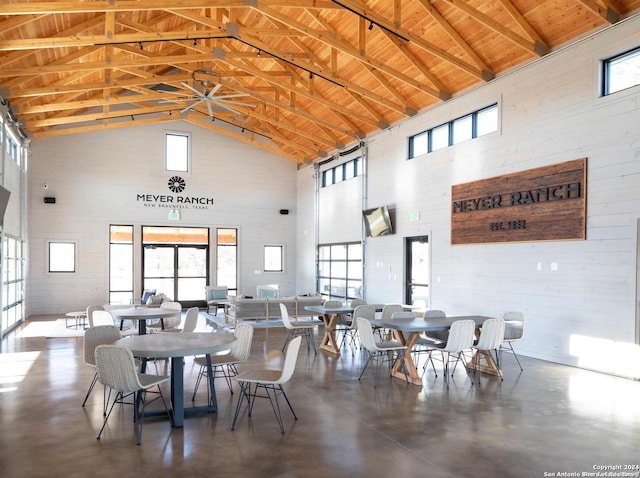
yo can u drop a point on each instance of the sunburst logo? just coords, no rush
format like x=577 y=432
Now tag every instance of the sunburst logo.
x=177 y=184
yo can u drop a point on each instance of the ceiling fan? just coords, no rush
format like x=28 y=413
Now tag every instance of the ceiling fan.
x=209 y=98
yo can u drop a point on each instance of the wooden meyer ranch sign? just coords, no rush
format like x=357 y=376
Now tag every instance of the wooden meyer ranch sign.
x=542 y=204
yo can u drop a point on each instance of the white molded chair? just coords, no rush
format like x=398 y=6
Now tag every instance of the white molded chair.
x=433 y=338
x=117 y=371
x=297 y=329
x=491 y=337
x=270 y=380
x=90 y=310
x=513 y=331
x=225 y=365
x=379 y=351
x=366 y=312
x=461 y=337
x=99 y=316
x=94 y=336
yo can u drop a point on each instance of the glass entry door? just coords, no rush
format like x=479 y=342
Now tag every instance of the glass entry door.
x=418 y=269
x=175 y=262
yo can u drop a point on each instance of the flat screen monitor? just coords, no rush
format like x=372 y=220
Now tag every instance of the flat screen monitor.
x=4 y=200
x=377 y=221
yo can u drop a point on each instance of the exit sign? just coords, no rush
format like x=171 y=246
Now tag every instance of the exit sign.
x=174 y=215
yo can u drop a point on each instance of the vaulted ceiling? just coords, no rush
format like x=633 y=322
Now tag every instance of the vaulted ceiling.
x=311 y=76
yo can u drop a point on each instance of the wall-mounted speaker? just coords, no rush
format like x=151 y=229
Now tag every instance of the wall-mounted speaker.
x=49 y=200
x=284 y=211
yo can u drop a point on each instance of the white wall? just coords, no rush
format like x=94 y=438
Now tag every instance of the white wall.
x=582 y=314
x=95 y=178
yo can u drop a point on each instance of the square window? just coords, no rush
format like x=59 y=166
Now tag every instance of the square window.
x=273 y=258
x=462 y=129
x=62 y=256
x=487 y=121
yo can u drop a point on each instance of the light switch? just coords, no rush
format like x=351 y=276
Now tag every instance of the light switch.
x=554 y=266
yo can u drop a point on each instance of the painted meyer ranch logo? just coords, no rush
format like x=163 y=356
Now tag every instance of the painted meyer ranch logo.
x=541 y=204
x=177 y=185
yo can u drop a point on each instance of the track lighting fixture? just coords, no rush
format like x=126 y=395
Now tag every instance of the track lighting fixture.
x=195 y=43
x=140 y=45
x=258 y=54
x=370 y=26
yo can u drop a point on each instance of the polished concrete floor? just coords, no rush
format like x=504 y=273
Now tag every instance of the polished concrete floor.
x=547 y=419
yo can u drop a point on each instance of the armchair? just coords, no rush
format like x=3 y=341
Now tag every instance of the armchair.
x=217 y=296
x=267 y=291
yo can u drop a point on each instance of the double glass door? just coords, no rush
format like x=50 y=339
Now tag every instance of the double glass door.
x=175 y=262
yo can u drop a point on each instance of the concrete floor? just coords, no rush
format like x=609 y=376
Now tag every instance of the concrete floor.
x=547 y=419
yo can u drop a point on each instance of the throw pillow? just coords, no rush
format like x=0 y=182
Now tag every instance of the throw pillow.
x=147 y=294
x=218 y=294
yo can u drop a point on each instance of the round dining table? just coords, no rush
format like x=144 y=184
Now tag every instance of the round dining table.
x=141 y=315
x=176 y=347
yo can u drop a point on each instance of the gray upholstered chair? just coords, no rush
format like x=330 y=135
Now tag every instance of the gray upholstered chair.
x=216 y=296
x=94 y=336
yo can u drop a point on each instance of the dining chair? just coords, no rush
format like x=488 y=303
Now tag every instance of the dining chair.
x=297 y=329
x=341 y=322
x=190 y=321
x=428 y=340
x=387 y=314
x=225 y=365
x=104 y=317
x=117 y=371
x=170 y=322
x=94 y=336
x=366 y=312
x=379 y=351
x=90 y=310
x=491 y=337
x=513 y=331
x=461 y=337
x=271 y=381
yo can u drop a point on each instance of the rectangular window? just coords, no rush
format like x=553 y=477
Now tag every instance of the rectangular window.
x=487 y=121
x=473 y=125
x=12 y=282
x=621 y=72
x=440 y=137
x=227 y=258
x=341 y=172
x=177 y=151
x=120 y=264
x=462 y=129
x=340 y=271
x=273 y=258
x=62 y=256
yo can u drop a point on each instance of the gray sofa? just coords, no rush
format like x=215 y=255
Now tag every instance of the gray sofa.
x=241 y=308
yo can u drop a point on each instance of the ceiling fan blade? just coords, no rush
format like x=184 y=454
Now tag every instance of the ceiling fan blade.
x=229 y=102
x=192 y=105
x=209 y=108
x=199 y=93
x=232 y=95
x=228 y=108
x=213 y=90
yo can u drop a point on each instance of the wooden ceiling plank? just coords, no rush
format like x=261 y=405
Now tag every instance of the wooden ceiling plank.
x=404 y=50
x=454 y=35
x=93 y=40
x=524 y=24
x=65 y=87
x=409 y=111
x=326 y=37
x=28 y=8
x=429 y=47
x=99 y=127
x=382 y=121
x=536 y=48
x=608 y=13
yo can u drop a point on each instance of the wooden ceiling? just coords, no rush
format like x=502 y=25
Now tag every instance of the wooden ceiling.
x=319 y=74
